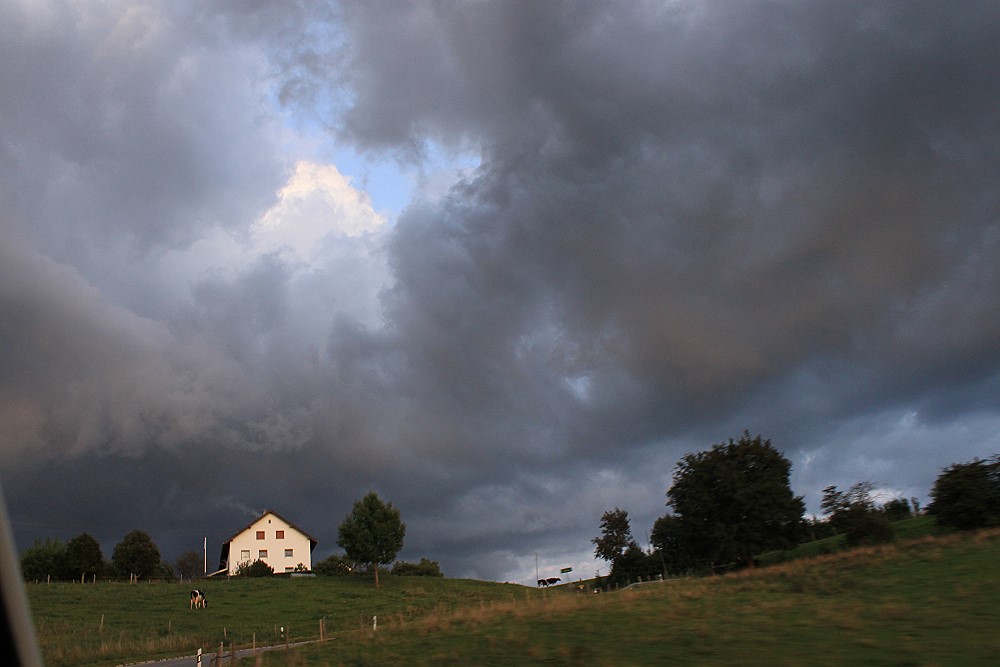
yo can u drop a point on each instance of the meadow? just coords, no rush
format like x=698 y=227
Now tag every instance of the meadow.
x=930 y=601
x=108 y=623
x=927 y=601
x=913 y=527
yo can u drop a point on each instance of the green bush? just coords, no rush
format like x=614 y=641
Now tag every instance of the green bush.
x=335 y=565
x=425 y=568
x=868 y=528
x=897 y=509
x=257 y=568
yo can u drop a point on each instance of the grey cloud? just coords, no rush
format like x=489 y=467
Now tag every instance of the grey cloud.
x=685 y=220
x=141 y=135
x=726 y=219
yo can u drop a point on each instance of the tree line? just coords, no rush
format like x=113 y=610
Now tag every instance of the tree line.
x=734 y=502
x=135 y=557
x=371 y=536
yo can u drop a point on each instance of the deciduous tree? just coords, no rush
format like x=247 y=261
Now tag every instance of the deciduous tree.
x=616 y=536
x=897 y=509
x=83 y=557
x=372 y=533
x=190 y=564
x=672 y=545
x=967 y=495
x=617 y=546
x=44 y=559
x=854 y=514
x=137 y=555
x=734 y=501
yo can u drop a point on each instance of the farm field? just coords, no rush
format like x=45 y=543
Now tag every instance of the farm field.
x=930 y=601
x=111 y=623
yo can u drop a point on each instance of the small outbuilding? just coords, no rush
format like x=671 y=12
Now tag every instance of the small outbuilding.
x=272 y=539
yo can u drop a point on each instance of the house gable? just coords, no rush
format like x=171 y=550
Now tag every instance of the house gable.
x=272 y=539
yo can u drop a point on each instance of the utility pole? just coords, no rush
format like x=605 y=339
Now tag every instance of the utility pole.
x=205 y=554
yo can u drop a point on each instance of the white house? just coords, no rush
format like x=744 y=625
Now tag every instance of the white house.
x=272 y=539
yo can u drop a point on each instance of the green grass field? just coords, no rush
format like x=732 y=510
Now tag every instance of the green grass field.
x=931 y=601
x=916 y=526
x=928 y=601
x=112 y=623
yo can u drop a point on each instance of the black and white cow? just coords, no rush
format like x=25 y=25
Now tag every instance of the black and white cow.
x=198 y=599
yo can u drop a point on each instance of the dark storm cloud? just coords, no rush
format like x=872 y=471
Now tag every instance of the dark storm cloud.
x=682 y=209
x=710 y=195
x=685 y=219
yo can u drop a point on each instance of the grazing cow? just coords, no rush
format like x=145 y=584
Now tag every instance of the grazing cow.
x=198 y=600
x=552 y=580
x=543 y=582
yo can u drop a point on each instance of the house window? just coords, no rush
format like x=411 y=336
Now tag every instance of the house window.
x=244 y=555
x=260 y=534
x=288 y=553
x=262 y=553
x=289 y=569
x=280 y=534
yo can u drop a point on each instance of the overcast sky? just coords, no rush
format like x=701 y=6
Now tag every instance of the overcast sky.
x=501 y=262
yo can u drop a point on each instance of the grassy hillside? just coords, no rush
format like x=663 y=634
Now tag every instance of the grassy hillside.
x=916 y=526
x=932 y=601
x=111 y=623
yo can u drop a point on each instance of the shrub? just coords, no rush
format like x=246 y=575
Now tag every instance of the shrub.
x=336 y=564
x=257 y=568
x=854 y=514
x=868 y=528
x=897 y=509
x=425 y=568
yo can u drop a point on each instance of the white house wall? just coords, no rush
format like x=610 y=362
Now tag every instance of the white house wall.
x=273 y=550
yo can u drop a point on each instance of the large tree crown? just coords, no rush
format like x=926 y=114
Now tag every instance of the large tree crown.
x=372 y=532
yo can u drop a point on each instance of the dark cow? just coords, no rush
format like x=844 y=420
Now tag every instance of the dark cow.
x=543 y=582
x=552 y=581
x=198 y=600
